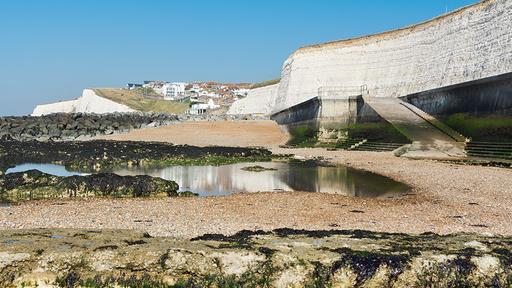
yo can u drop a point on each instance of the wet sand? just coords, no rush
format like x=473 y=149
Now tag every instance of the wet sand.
x=446 y=198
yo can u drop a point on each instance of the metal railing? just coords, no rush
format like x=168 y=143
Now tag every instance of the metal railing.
x=342 y=91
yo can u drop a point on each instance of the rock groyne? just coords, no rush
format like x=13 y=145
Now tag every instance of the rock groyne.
x=65 y=126
x=75 y=126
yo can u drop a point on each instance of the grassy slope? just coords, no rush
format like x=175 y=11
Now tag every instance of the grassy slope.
x=135 y=100
x=265 y=83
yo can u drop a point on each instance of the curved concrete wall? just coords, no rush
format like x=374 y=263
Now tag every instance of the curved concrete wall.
x=89 y=102
x=258 y=101
x=489 y=96
x=468 y=44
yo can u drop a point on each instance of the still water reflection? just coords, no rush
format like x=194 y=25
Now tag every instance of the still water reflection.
x=229 y=179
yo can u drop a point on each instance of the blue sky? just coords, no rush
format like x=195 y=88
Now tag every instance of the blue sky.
x=50 y=50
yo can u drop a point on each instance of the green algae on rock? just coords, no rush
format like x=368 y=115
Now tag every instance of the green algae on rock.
x=34 y=185
x=279 y=258
x=104 y=156
x=187 y=194
x=257 y=168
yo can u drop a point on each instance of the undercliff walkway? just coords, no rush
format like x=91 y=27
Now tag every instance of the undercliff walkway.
x=430 y=138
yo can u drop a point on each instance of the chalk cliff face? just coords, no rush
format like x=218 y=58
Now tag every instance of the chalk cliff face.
x=258 y=101
x=89 y=102
x=468 y=44
x=58 y=107
x=92 y=103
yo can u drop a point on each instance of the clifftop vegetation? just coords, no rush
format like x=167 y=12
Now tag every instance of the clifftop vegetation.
x=137 y=100
x=265 y=83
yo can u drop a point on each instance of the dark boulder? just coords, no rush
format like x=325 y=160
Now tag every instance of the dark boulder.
x=33 y=185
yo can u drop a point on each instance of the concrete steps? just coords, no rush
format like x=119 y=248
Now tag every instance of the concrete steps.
x=378 y=146
x=368 y=145
x=430 y=138
x=349 y=143
x=490 y=150
x=434 y=122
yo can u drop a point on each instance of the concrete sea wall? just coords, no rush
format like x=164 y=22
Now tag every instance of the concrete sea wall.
x=479 y=98
x=469 y=44
x=258 y=101
x=89 y=102
x=323 y=111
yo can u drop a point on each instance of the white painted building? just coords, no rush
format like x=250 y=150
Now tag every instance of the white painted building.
x=170 y=91
x=202 y=108
x=173 y=91
x=241 y=92
x=209 y=94
x=195 y=88
x=132 y=86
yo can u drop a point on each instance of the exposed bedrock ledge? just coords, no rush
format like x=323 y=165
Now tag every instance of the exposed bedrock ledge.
x=96 y=156
x=35 y=185
x=281 y=258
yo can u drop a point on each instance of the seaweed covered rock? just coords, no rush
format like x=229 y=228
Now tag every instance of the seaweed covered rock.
x=257 y=168
x=279 y=258
x=102 y=156
x=33 y=185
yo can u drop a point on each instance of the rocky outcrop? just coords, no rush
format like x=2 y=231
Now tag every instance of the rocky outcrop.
x=65 y=126
x=469 y=44
x=281 y=258
x=35 y=185
x=104 y=156
x=258 y=101
x=89 y=102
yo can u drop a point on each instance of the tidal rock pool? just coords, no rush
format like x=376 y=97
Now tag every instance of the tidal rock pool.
x=257 y=177
x=57 y=170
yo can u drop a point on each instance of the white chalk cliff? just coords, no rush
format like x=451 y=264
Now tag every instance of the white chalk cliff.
x=258 y=101
x=468 y=44
x=89 y=102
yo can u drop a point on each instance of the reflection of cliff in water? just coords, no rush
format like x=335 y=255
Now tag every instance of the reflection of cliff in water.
x=229 y=179
x=342 y=180
x=220 y=180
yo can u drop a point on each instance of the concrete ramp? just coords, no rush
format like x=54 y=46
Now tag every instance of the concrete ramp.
x=430 y=138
